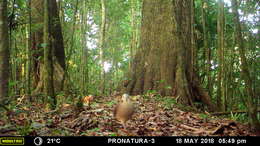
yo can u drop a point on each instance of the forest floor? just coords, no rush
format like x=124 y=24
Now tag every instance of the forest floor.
x=153 y=117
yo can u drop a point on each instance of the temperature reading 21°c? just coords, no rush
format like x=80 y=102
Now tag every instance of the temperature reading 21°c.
x=53 y=141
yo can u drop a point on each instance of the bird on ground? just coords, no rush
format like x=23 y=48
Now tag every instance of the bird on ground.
x=124 y=110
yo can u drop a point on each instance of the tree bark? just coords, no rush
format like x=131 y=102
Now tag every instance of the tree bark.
x=37 y=40
x=29 y=54
x=37 y=48
x=4 y=51
x=193 y=42
x=48 y=55
x=84 y=66
x=206 y=45
x=102 y=46
x=133 y=44
x=220 y=30
x=163 y=61
x=59 y=52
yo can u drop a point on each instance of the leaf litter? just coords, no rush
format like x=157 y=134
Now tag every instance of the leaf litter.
x=149 y=119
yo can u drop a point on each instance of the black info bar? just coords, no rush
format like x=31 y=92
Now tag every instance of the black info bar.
x=143 y=140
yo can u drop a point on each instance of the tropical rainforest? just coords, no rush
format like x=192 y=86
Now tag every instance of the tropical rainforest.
x=130 y=67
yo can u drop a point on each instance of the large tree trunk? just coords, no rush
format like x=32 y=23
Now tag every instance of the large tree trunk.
x=37 y=47
x=163 y=62
x=4 y=51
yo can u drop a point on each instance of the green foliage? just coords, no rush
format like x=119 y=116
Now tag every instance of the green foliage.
x=168 y=87
x=151 y=93
x=111 y=103
x=112 y=134
x=43 y=45
x=24 y=130
x=12 y=84
x=235 y=116
x=52 y=102
x=203 y=116
x=60 y=132
x=94 y=129
x=169 y=102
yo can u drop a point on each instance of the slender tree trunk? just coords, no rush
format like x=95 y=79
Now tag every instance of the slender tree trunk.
x=231 y=78
x=59 y=52
x=220 y=30
x=115 y=69
x=61 y=11
x=13 y=68
x=29 y=50
x=12 y=42
x=70 y=51
x=84 y=67
x=4 y=51
x=133 y=37
x=48 y=54
x=206 y=45
x=193 y=42
x=252 y=108
x=102 y=46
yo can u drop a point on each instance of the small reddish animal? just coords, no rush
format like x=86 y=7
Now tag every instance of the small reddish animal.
x=87 y=100
x=124 y=110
